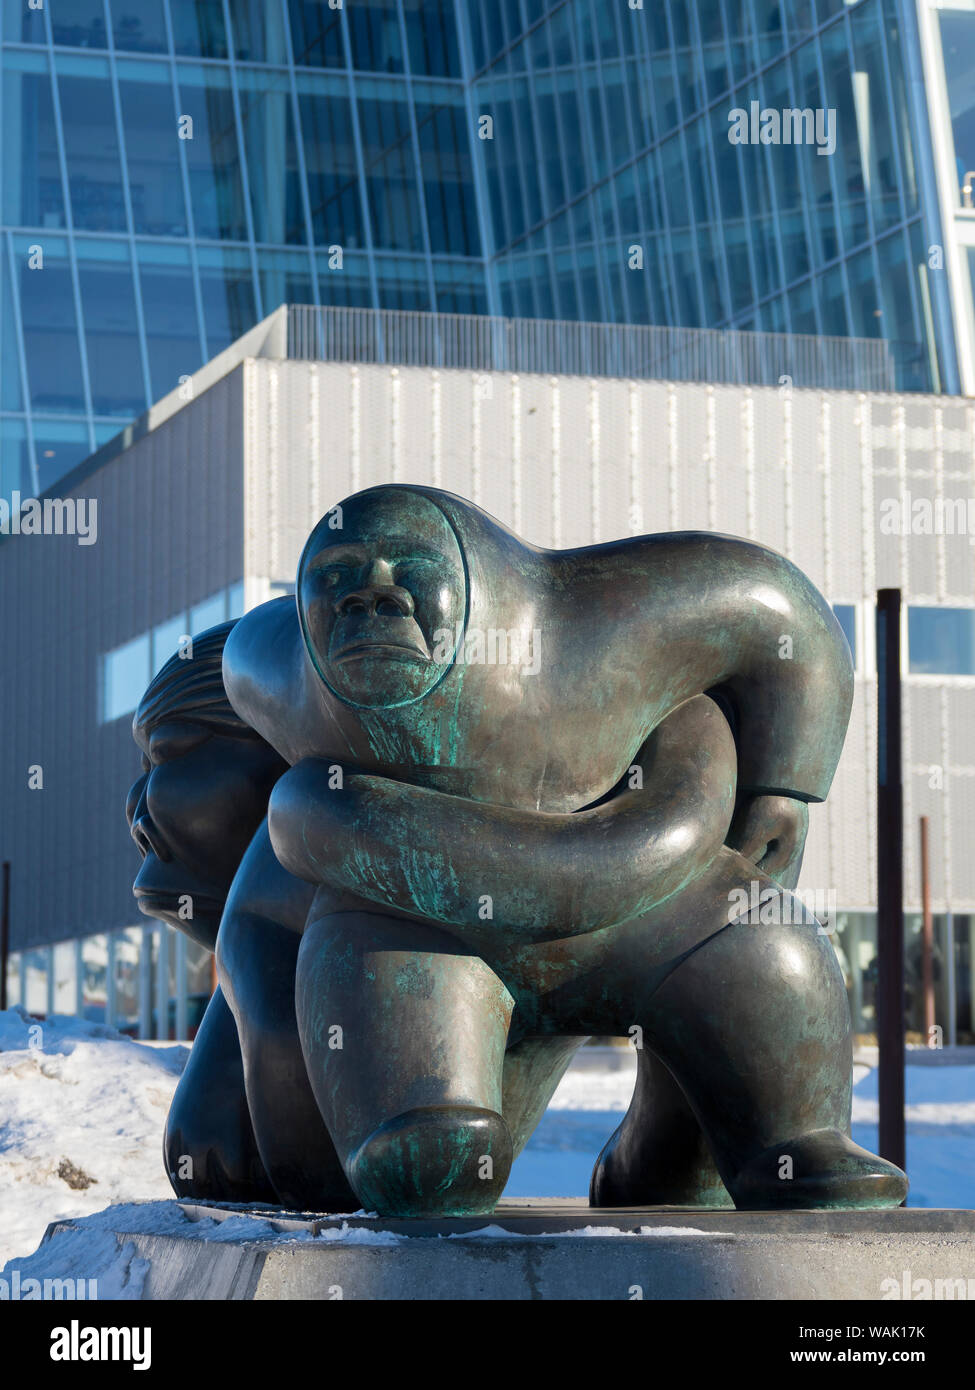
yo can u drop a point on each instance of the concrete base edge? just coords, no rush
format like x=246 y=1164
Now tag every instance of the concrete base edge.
x=538 y=1250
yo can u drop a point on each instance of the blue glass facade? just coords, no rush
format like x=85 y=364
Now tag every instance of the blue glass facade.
x=612 y=133
x=172 y=170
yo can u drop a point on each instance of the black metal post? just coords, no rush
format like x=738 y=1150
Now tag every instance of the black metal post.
x=890 y=879
x=4 y=931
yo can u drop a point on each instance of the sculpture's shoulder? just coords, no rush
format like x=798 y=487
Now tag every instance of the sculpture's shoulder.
x=265 y=674
x=698 y=571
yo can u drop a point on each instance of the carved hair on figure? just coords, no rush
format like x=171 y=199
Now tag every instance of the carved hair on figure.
x=189 y=688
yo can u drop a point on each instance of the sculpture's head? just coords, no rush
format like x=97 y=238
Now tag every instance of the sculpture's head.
x=382 y=597
x=203 y=792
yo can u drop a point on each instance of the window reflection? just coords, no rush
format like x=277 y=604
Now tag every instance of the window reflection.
x=941 y=641
x=91 y=148
x=958 y=46
x=111 y=330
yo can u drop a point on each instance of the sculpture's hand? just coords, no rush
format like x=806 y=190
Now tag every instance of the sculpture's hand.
x=771 y=832
x=491 y=871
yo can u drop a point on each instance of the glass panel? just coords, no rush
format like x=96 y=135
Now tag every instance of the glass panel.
x=941 y=641
x=717 y=76
x=460 y=288
x=852 y=141
x=958 y=46
x=91 y=145
x=258 y=31
x=128 y=947
x=769 y=34
x=212 y=156
x=898 y=318
x=199 y=984
x=35 y=992
x=685 y=281
x=878 y=157
x=551 y=165
x=59 y=446
x=390 y=180
x=65 y=978
x=402 y=283
x=855 y=944
x=783 y=163
x=285 y=278
x=802 y=309
x=316 y=35
x=448 y=183
x=374 y=32
x=198 y=28
x=431 y=37
x=139 y=25
x=13 y=981
x=864 y=298
x=111 y=329
x=169 y=311
x=818 y=188
x=664 y=88
x=152 y=149
x=832 y=304
x=333 y=190
x=125 y=675
x=94 y=959
x=32 y=192
x=347 y=283
x=272 y=157
x=21 y=25
x=10 y=393
x=50 y=330
x=77 y=23
x=902 y=114
x=227 y=291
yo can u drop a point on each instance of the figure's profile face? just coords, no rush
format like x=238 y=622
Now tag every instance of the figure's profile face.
x=381 y=582
x=192 y=814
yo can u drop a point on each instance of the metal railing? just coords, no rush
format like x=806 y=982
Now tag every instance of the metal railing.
x=482 y=343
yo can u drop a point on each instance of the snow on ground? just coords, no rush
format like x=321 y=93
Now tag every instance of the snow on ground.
x=595 y=1092
x=80 y=1102
x=83 y=1099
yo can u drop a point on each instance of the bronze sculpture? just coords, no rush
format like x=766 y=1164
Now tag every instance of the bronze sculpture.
x=525 y=788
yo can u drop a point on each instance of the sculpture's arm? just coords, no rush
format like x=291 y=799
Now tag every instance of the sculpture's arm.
x=490 y=871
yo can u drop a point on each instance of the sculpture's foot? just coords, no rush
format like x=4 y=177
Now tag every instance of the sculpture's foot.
x=618 y=1181
x=658 y=1155
x=305 y=1189
x=216 y=1172
x=439 y=1160
x=821 y=1169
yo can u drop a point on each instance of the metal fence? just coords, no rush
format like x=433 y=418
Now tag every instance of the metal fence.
x=483 y=343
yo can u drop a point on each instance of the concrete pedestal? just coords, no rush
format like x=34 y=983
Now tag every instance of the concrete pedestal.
x=541 y=1249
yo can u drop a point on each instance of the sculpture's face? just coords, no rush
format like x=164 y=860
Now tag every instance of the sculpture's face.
x=192 y=814
x=382 y=598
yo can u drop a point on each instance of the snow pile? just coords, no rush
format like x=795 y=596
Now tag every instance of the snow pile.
x=82 y=1114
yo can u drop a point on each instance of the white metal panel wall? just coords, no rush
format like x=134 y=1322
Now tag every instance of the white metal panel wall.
x=572 y=461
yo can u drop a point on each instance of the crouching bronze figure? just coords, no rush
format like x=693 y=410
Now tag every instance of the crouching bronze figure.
x=527 y=793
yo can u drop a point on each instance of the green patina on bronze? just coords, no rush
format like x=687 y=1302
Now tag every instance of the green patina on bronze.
x=494 y=882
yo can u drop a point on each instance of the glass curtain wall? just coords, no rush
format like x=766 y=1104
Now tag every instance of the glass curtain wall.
x=172 y=170
x=616 y=192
